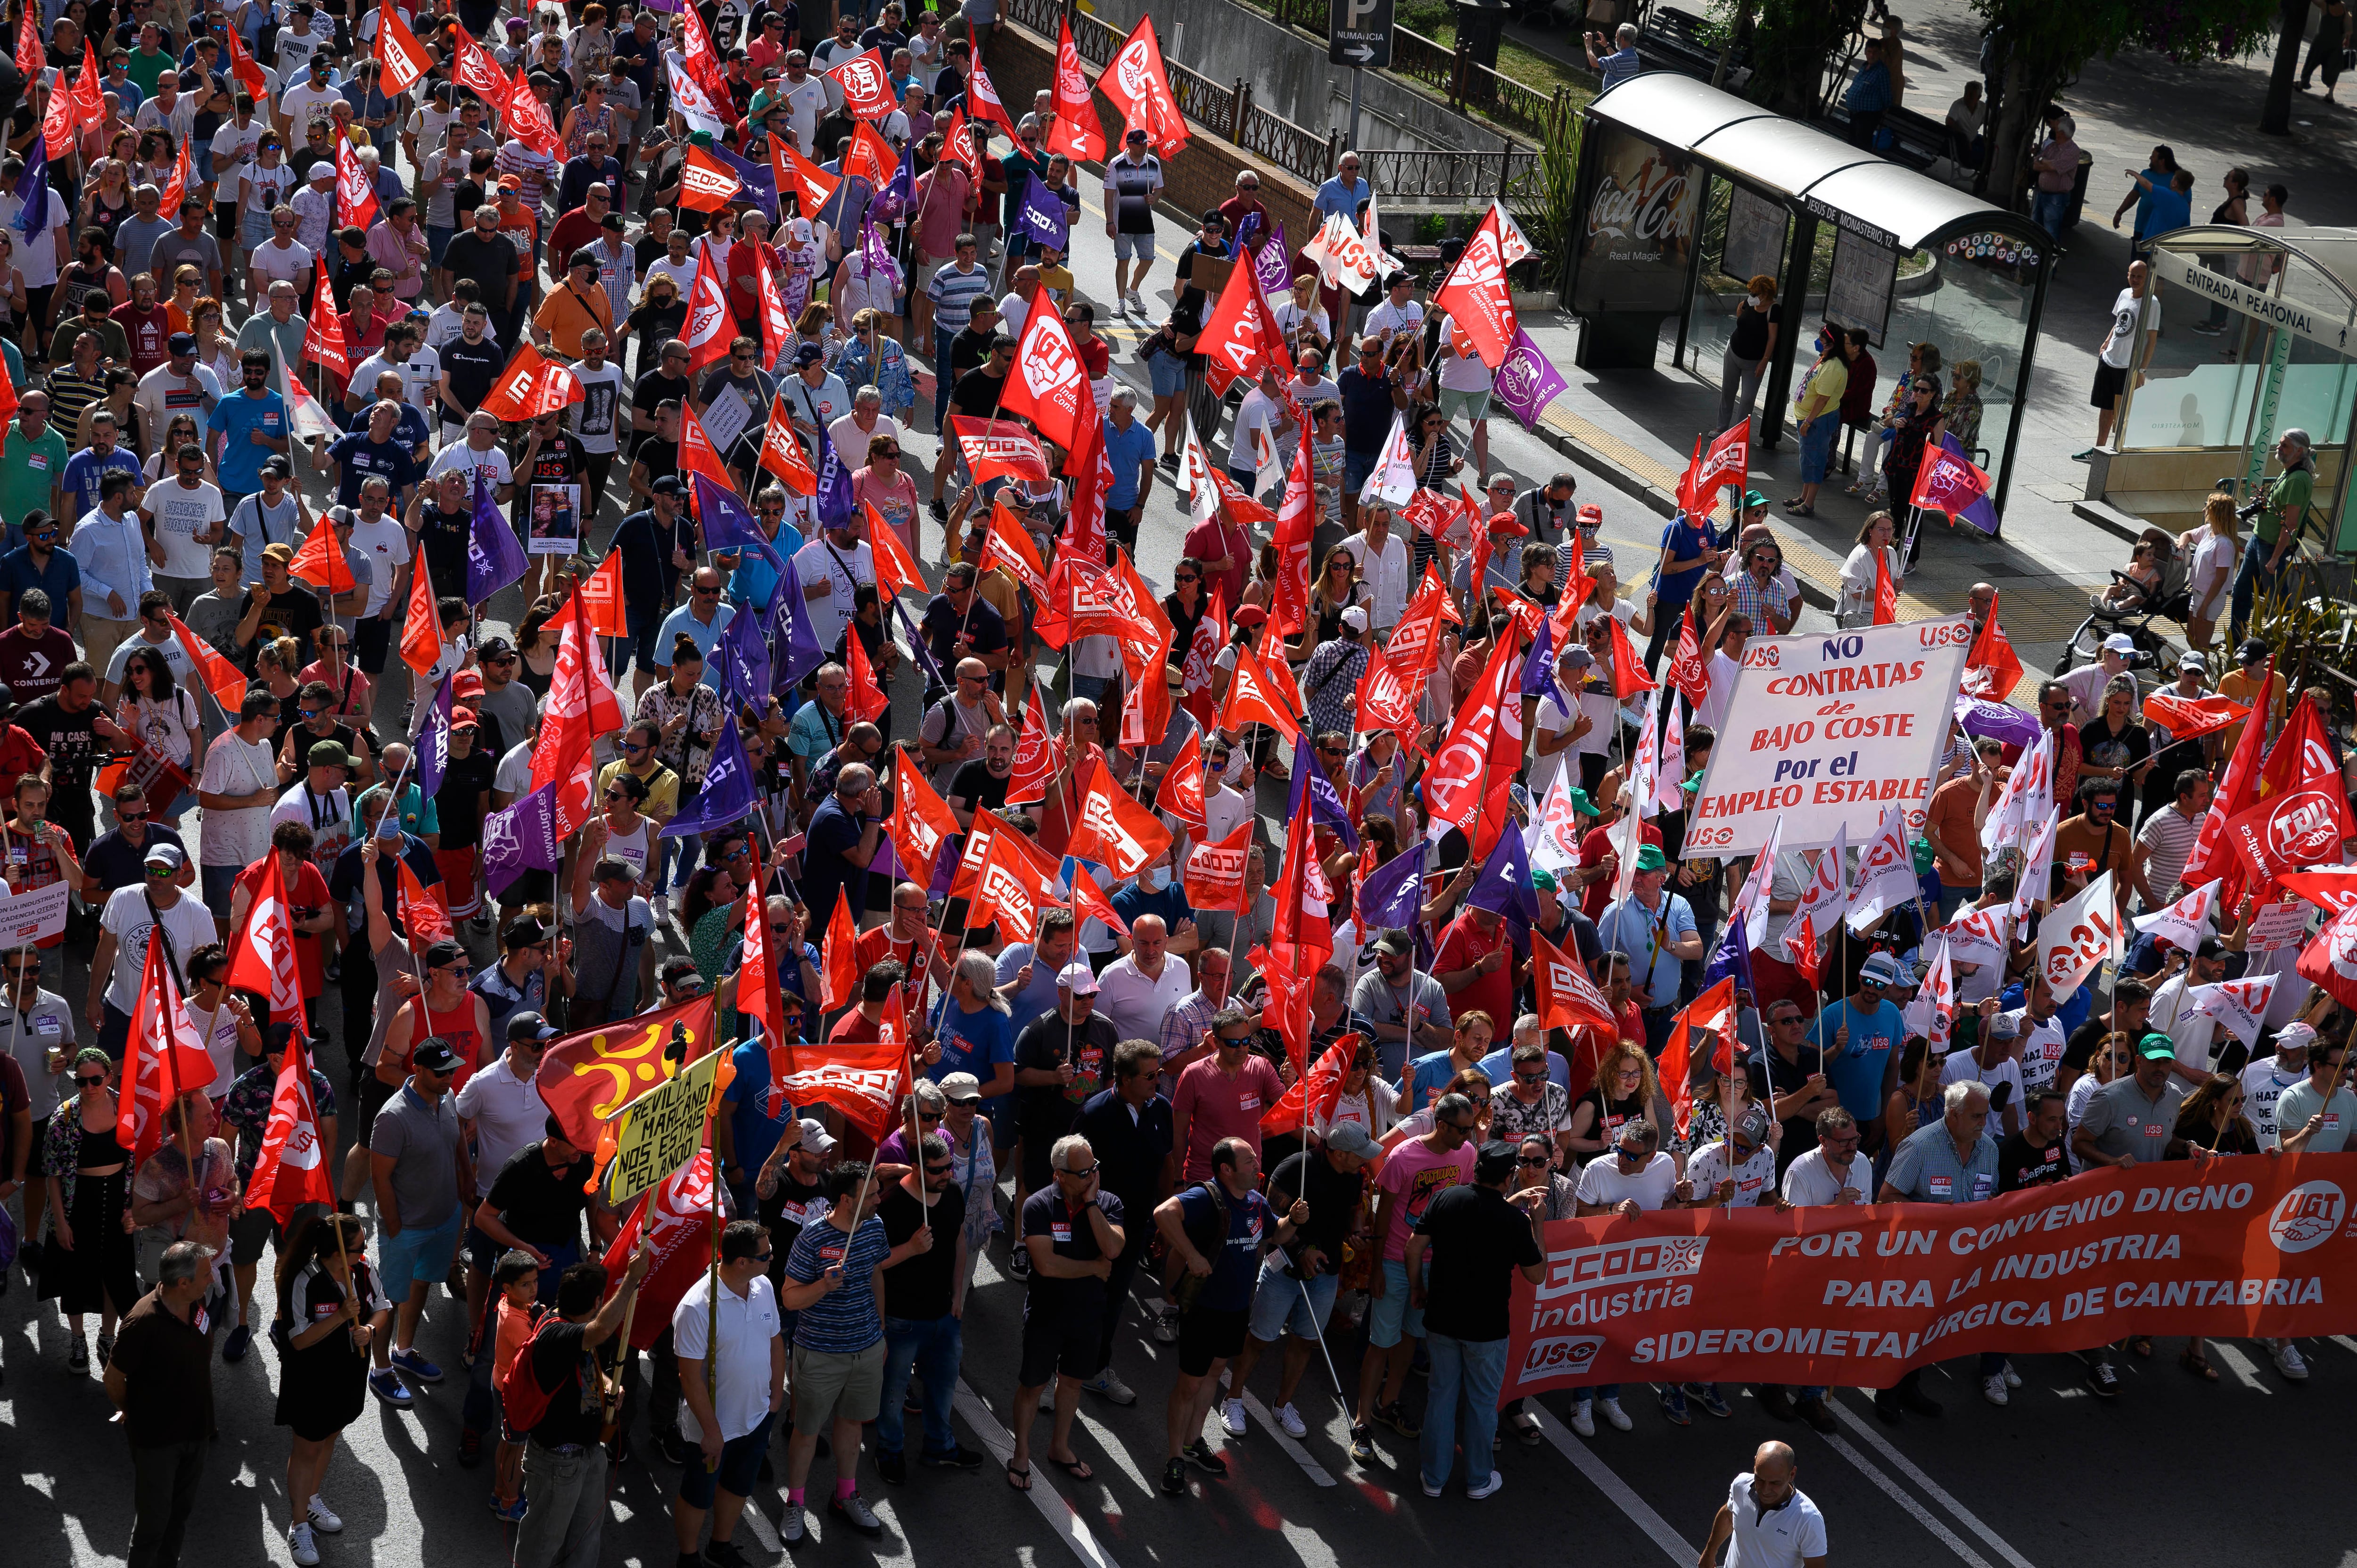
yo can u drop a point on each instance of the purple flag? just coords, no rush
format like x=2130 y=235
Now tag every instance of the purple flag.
x=1504 y=887
x=1042 y=219
x=760 y=179
x=31 y=184
x=1273 y=262
x=1538 y=669
x=432 y=748
x=1392 y=892
x=795 y=649
x=494 y=553
x=1526 y=382
x=1324 y=805
x=2006 y=722
x=520 y=839
x=1982 y=513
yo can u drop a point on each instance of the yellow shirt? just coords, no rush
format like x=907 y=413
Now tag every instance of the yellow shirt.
x=2237 y=687
x=1825 y=389
x=662 y=790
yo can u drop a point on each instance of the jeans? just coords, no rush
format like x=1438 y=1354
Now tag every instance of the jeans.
x=219 y=882
x=678 y=862
x=163 y=1493
x=931 y=1349
x=1474 y=1368
x=942 y=339
x=1817 y=445
x=564 y=1506
x=2048 y=209
x=1600 y=1391
x=2251 y=578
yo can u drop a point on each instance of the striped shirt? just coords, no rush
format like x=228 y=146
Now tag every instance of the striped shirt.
x=844 y=1321
x=2169 y=834
x=954 y=293
x=531 y=169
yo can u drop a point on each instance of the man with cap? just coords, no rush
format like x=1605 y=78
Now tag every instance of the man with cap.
x=1953 y=1160
x=1856 y=1042
x=1765 y=596
x=273 y=514
x=1404 y=1004
x=1656 y=929
x=1061 y=1058
x=419 y=1169
x=1330 y=680
x=1294 y=1294
x=499 y=1107
x=2254 y=684
x=2086 y=683
x=1558 y=724
x=2265 y=1080
x=157 y=903
x=179 y=385
x=532 y=969
x=1996 y=1062
x=1132 y=183
x=575 y=305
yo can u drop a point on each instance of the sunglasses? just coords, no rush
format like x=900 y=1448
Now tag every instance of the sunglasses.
x=1532 y=1162
x=1083 y=1172
x=90 y=1082
x=928 y=1116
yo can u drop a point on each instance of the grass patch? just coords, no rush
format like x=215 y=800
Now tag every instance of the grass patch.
x=1541 y=73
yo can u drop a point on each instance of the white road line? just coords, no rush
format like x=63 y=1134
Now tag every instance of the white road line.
x=1905 y=1500
x=1059 y=1514
x=2240 y=1365
x=1260 y=1412
x=1939 y=1494
x=1601 y=1475
x=2345 y=1343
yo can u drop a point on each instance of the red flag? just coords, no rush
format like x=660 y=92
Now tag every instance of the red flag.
x=675 y=1218
x=32 y=56
x=1414 y=647
x=1800 y=942
x=320 y=561
x=1202 y=659
x=1050 y=387
x=2185 y=718
x=838 y=968
x=2302 y=757
x=2301 y=818
x=323 y=341
x=1084 y=528
x=602 y=593
x=866 y=86
x=1456 y=784
x=1214 y=872
x=1089 y=902
x=421 y=629
x=757 y=994
x=163 y=1060
x=1950 y=483
x=996 y=448
x=183 y=181
x=1886 y=592
x=777 y=326
x=262 y=952
x=403 y=58
x=224 y=680
x=1007 y=546
x=424 y=911
x=292 y=1169
x=701 y=60
x=1692 y=490
x=1992 y=669
x=1727 y=464
x=1297 y=519
x=921 y=822
x=89 y=99
x=1139 y=86
x=1687 y=672
x=476 y=72
x=808 y=184
x=710 y=325
x=355 y=192
x=868 y=699
x=528 y=120
x=1012 y=883
x=895 y=569
x=2236 y=793
x=1254 y=697
x=1386 y=700
x=58 y=122
x=782 y=454
x=863 y=1079
x=696 y=453
x=2330 y=959
x=1038 y=755
x=1076 y=131
x=1301 y=937
x=1315 y=1094
x=1714 y=1010
x=705 y=183
x=1567 y=998
x=983 y=98
x=1240 y=339
x=871 y=157
x=1114 y=830
x=957 y=144
x=585 y=1077
x=1181 y=792
x=1146 y=705
x=580 y=705
x=1286 y=1007
x=1629 y=676
x=1476 y=296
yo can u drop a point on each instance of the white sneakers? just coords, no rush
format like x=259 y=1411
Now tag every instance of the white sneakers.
x=302 y=1548
x=1583 y=1418
x=2012 y=1378
x=1290 y=1421
x=1488 y=1488
x=323 y=1519
x=1136 y=304
x=2289 y=1362
x=1231 y=1416
x=1993 y=1388
x=1615 y=1414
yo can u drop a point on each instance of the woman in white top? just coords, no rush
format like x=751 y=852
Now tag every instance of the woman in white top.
x=1366 y=1099
x=623 y=832
x=719 y=236
x=181 y=432
x=165 y=718
x=2215 y=547
x=1858 y=577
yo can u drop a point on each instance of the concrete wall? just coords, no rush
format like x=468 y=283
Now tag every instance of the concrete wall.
x=1291 y=75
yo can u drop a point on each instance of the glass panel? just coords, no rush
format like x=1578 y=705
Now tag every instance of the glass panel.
x=1973 y=304
x=1757 y=228
x=2199 y=385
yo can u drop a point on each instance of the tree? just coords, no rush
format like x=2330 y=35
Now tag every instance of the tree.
x=2275 y=117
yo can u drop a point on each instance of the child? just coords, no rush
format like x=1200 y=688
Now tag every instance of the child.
x=517 y=1279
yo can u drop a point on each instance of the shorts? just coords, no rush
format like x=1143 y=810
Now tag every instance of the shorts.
x=250 y=1229
x=375 y=1094
x=925 y=270
x=1134 y=247
x=1166 y=373
x=2110 y=382
x=458 y=869
x=1207 y=1335
x=740 y=1467
x=1281 y=1302
x=1058 y=1338
x=437 y=240
x=1389 y=1315
x=417 y=1257
x=371 y=640
x=1473 y=405
x=831 y=1385
x=1356 y=467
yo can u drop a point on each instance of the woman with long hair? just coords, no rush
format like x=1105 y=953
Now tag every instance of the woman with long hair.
x=1914 y=430
x=216 y=346
x=1915 y=1104
x=1861 y=574
x=536 y=641
x=89 y=1264
x=105 y=197
x=883 y=485
x=711 y=906
x=1750 y=346
x=686 y=716
x=163 y=462
x=1167 y=352
x=334 y=1307
x=165 y=716
x=2216 y=546
x=1627 y=1089
x=1337 y=589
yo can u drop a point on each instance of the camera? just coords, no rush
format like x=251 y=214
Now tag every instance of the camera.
x=2251 y=509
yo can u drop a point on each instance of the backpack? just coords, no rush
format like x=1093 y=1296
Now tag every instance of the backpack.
x=1182 y=1286
x=523 y=1401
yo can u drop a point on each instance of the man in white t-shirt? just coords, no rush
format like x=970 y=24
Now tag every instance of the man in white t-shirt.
x=1465 y=384
x=1383 y=561
x=320 y=801
x=1767 y=1521
x=2135 y=323
x=1261 y=418
x=2195 y=1034
x=239 y=787
x=1634 y=1177
x=189 y=515
x=1396 y=312
x=832 y=568
x=1559 y=723
x=1991 y=1062
x=2265 y=1080
x=480 y=450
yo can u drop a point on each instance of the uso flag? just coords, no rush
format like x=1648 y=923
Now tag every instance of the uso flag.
x=1951 y=483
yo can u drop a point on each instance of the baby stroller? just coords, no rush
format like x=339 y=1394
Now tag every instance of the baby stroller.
x=2133 y=606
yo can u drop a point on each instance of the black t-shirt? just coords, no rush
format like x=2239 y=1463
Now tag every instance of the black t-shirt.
x=444 y=535
x=473 y=367
x=489 y=260
x=974 y=785
x=458 y=803
x=660 y=456
x=1333 y=1198
x=559 y=1363
x=652 y=388
x=788 y=1209
x=977 y=393
x=1473 y=1230
x=1046 y=1043
x=73 y=751
x=920 y=1288
x=1070 y=1234
x=1784 y=1078
x=2020 y=1164
x=542 y=1206
x=293 y=613
x=114 y=860
x=968 y=349
x=942 y=623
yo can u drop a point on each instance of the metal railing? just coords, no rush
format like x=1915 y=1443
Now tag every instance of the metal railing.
x=1449 y=70
x=1431 y=176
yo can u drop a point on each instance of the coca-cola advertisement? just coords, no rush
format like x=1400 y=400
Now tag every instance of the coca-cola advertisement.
x=1639 y=232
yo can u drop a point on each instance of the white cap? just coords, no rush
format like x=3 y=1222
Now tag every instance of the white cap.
x=1355 y=618
x=1078 y=978
x=2120 y=643
x=815 y=1136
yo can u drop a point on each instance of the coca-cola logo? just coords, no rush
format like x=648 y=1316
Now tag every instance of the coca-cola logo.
x=2304 y=826
x=1653 y=207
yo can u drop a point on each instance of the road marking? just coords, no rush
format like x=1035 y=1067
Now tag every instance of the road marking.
x=1260 y=1414
x=2240 y=1365
x=1914 y=1473
x=1601 y=1475
x=2345 y=1343
x=1905 y=1500
x=1059 y=1514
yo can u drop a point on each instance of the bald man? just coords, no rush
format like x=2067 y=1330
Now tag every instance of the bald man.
x=1137 y=989
x=1771 y=1523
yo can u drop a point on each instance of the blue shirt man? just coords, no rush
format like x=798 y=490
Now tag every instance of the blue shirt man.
x=1857 y=1036
x=1346 y=192
x=1129 y=448
x=85 y=468
x=234 y=418
x=703 y=598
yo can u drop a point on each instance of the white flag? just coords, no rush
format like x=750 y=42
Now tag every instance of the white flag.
x=1886 y=874
x=1637 y=789
x=1670 y=764
x=1933 y=1012
x=1977 y=935
x=1393 y=479
x=1750 y=905
x=1628 y=836
x=1552 y=841
x=2005 y=821
x=1821 y=899
x=2241 y=1005
x=2078 y=935
x=2034 y=880
x=2183 y=924
x=1195 y=475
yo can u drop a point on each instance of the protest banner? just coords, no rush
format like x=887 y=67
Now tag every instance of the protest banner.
x=2242 y=1248
x=1829 y=732
x=662 y=1129
x=26 y=918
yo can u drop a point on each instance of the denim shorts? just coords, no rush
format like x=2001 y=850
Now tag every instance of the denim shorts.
x=417 y=1257
x=1356 y=467
x=1134 y=247
x=740 y=1467
x=1389 y=1315
x=1166 y=373
x=1281 y=1302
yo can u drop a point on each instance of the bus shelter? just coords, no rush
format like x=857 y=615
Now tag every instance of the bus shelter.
x=1685 y=193
x=2257 y=331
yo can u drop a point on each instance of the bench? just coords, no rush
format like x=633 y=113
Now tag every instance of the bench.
x=1671 y=39
x=1916 y=140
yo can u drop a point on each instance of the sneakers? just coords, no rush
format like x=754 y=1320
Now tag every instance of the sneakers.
x=1018 y=1266
x=1167 y=462
x=470 y=1449
x=1363 y=1445
x=322 y=1518
x=659 y=905
x=725 y=1554
x=675 y=1449
x=1198 y=1454
x=1816 y=1414
x=1710 y=1398
x=1614 y=1414
x=1135 y=303
x=416 y=1365
x=1174 y=1477
x=1398 y=1420
x=1993 y=1389
x=1488 y=1488
x=1673 y=1406
x=387 y=1386
x=1774 y=1401
x=1429 y=1489
x=2012 y=1378
x=893 y=1466
x=1915 y=1402
x=2102 y=1381
x=1583 y=1418
x=2289 y=1362
x=1166 y=1327
x=240 y=1340
x=1108 y=1383
x=301 y=1547
x=940 y=514
x=508 y=1513
x=105 y=1350
x=77 y=1357
x=1231 y=1416
x=1289 y=1421
x=854 y=1511
x=958 y=1458
x=2084 y=456
x=791 y=1528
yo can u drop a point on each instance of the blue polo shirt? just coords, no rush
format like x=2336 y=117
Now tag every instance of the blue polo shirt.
x=1127 y=451
x=1855 y=1068
x=1682 y=540
x=86 y=468
x=706 y=637
x=357 y=458
x=749 y=1095
x=241 y=460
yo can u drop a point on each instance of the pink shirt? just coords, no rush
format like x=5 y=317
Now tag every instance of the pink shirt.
x=1414 y=1175
x=1217 y=1106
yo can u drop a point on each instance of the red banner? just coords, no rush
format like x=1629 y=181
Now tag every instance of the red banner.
x=2244 y=1248
x=999 y=448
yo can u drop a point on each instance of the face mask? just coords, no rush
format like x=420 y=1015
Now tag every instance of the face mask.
x=1155 y=878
